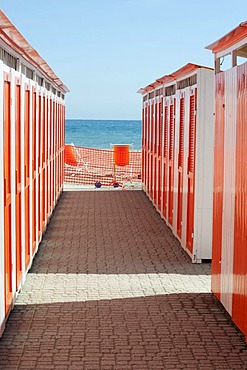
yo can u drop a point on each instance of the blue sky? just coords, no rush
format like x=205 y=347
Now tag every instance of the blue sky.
x=105 y=50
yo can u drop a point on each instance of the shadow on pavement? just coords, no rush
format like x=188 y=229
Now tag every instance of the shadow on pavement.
x=177 y=331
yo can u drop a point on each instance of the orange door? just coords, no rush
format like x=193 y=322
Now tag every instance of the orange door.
x=191 y=173
x=47 y=149
x=55 y=156
x=27 y=176
x=43 y=169
x=7 y=198
x=52 y=153
x=171 y=162
x=151 y=189
x=50 y=129
x=148 y=150
x=165 y=162
x=155 y=132
x=160 y=121
x=34 y=173
x=39 y=145
x=59 y=145
x=218 y=182
x=180 y=168
x=18 y=186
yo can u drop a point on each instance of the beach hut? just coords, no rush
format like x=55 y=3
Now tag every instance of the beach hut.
x=177 y=148
x=32 y=120
x=229 y=263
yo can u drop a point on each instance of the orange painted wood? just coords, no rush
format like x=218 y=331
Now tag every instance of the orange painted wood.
x=159 y=179
x=171 y=162
x=43 y=143
x=34 y=170
x=18 y=186
x=180 y=168
x=154 y=193
x=39 y=151
x=191 y=173
x=144 y=145
x=7 y=198
x=27 y=176
x=218 y=183
x=165 y=162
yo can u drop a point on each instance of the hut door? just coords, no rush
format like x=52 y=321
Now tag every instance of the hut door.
x=159 y=152
x=180 y=168
x=7 y=198
x=18 y=186
x=34 y=171
x=27 y=176
x=39 y=168
x=191 y=172
x=171 y=161
x=165 y=161
x=43 y=169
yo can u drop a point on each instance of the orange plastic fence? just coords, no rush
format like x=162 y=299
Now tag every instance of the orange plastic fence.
x=89 y=165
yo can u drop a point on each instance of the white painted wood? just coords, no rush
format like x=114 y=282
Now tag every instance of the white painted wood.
x=204 y=161
x=229 y=188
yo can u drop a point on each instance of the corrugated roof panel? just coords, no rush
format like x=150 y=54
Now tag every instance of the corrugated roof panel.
x=185 y=70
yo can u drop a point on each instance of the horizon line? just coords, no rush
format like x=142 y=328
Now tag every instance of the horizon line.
x=102 y=119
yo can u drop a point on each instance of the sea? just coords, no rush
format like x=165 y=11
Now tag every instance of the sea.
x=102 y=133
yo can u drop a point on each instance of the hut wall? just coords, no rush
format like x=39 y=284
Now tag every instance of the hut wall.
x=32 y=118
x=178 y=139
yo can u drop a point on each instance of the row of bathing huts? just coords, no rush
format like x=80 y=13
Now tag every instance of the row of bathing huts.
x=194 y=164
x=193 y=159
x=32 y=119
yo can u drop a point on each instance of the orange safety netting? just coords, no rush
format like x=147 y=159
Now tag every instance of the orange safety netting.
x=89 y=165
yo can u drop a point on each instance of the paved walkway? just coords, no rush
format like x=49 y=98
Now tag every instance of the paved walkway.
x=111 y=289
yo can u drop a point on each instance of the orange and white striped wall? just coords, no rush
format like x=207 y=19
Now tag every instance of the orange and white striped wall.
x=229 y=263
x=178 y=137
x=32 y=116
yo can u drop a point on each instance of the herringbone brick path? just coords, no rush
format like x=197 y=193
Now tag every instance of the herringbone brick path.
x=111 y=289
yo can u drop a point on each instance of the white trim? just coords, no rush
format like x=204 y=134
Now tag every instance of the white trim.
x=230 y=49
x=229 y=188
x=204 y=162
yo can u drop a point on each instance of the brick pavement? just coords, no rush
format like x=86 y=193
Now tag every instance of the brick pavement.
x=111 y=289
